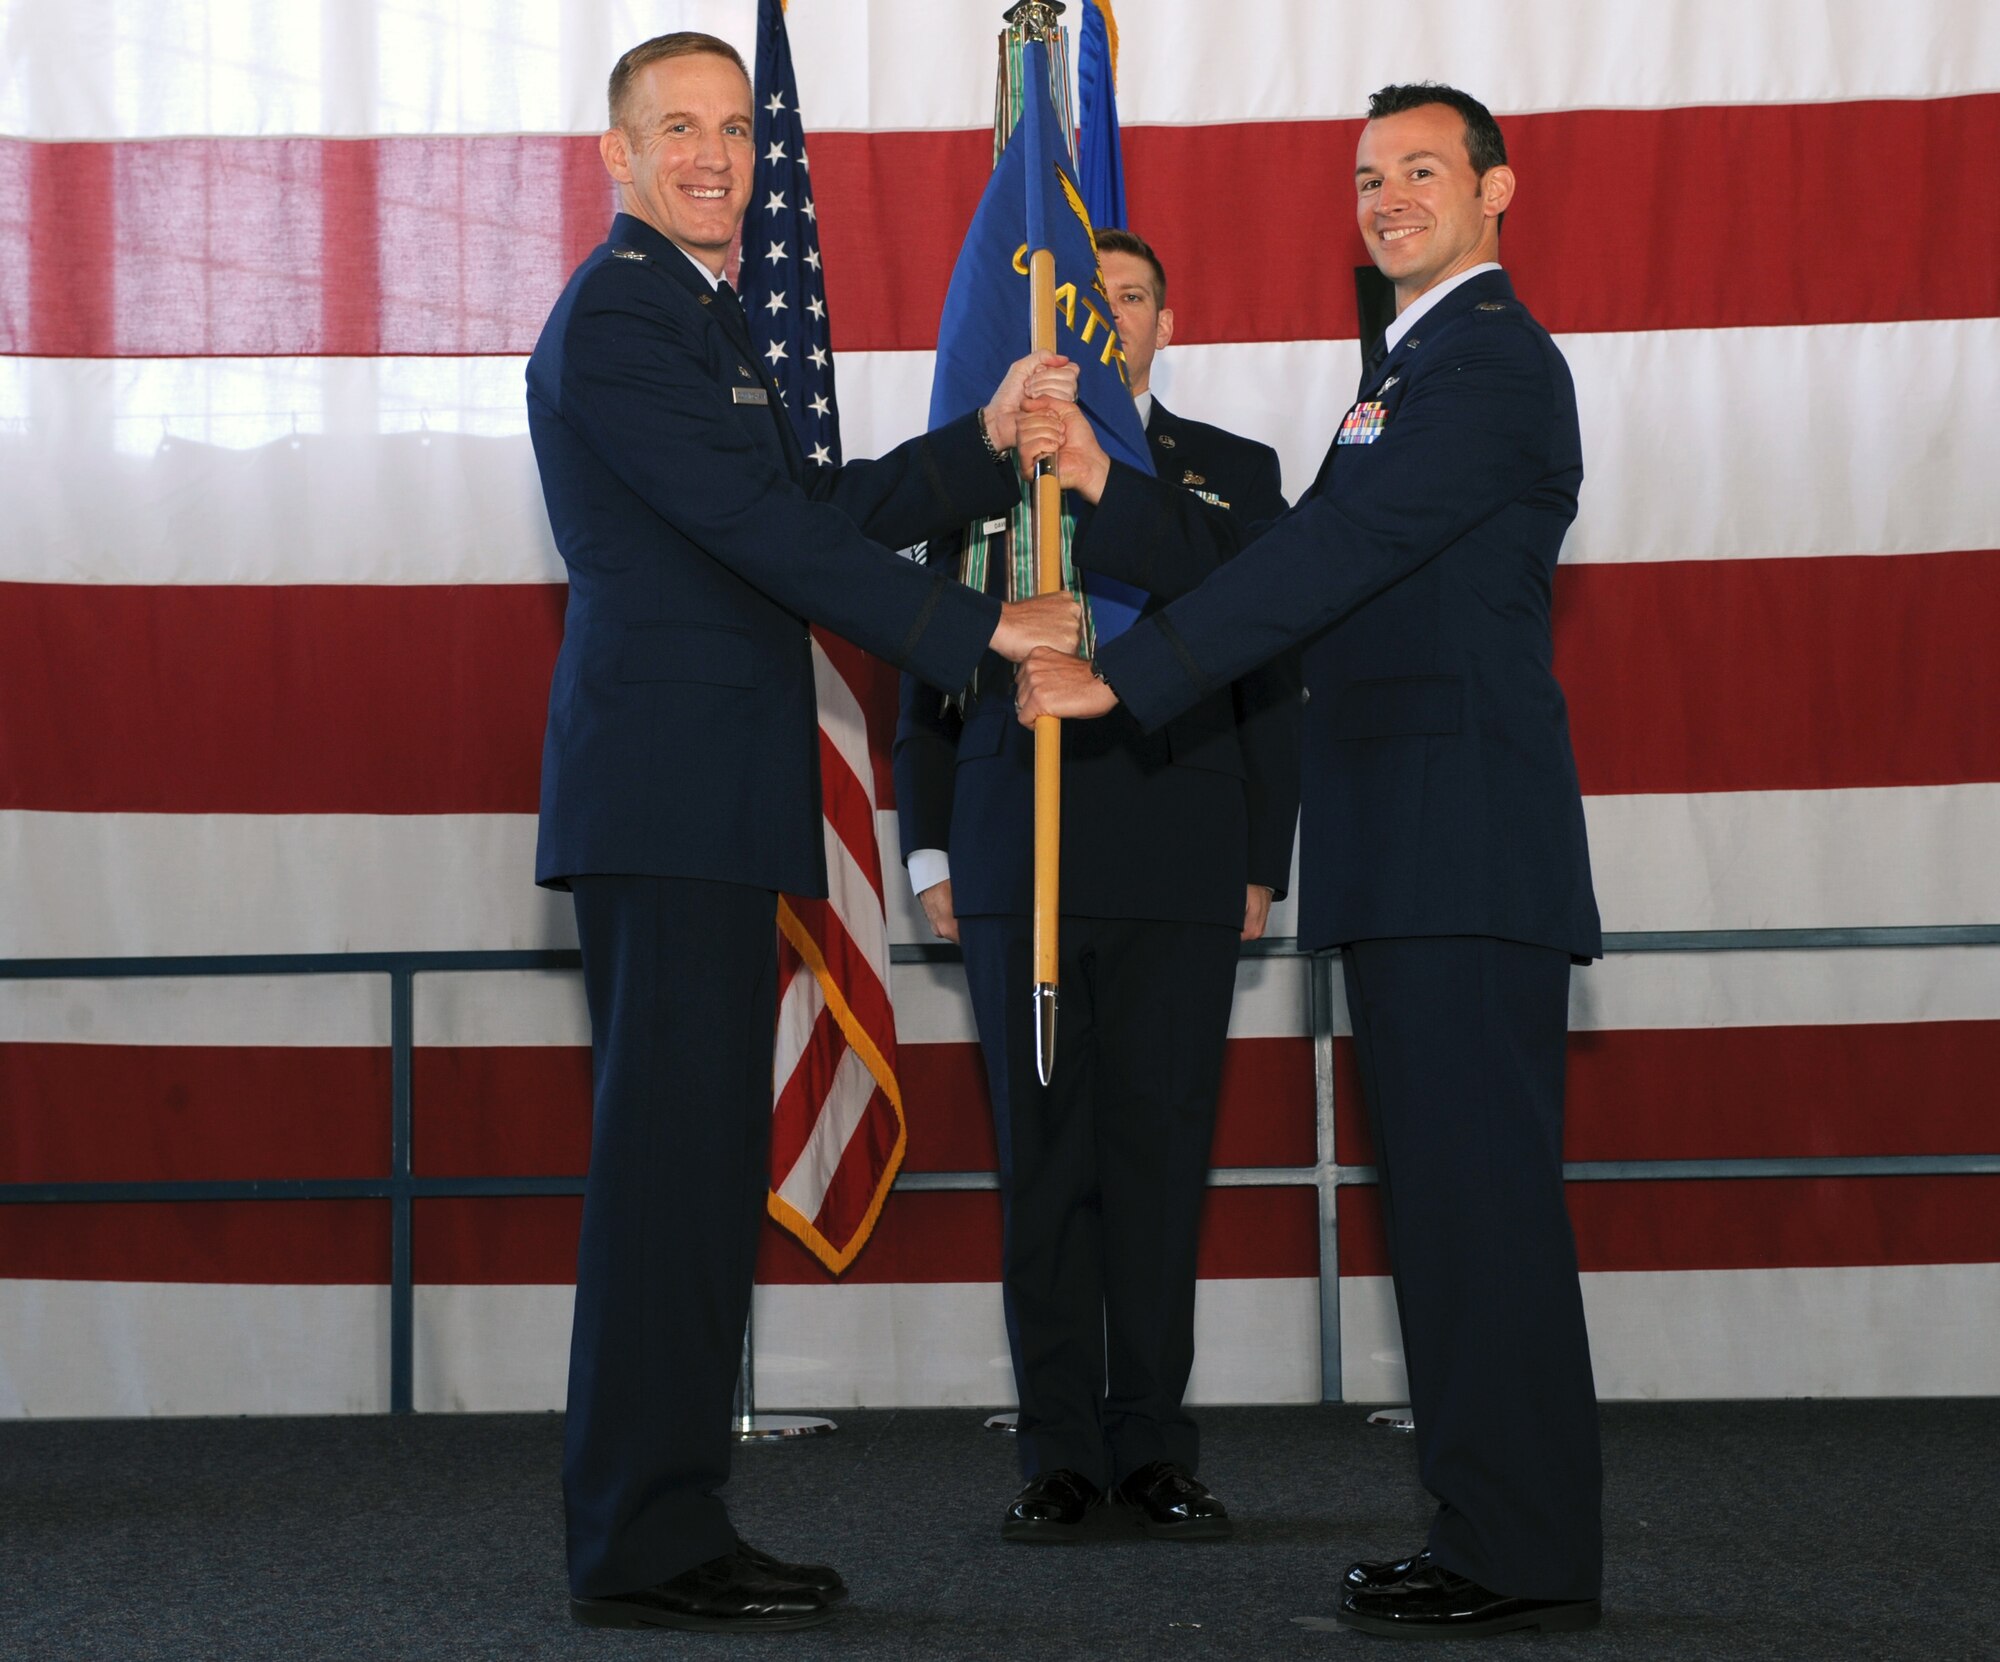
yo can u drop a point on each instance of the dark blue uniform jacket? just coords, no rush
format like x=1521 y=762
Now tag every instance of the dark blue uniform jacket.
x=1440 y=793
x=682 y=737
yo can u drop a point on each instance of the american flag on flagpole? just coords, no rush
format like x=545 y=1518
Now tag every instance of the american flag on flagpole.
x=837 y=1129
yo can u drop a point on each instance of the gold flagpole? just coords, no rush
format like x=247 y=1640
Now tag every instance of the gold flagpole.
x=1037 y=20
x=1048 y=729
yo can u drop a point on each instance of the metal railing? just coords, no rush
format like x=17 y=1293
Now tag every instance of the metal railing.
x=402 y=1188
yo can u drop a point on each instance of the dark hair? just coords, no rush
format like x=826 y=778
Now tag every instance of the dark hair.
x=683 y=43
x=1483 y=143
x=1127 y=242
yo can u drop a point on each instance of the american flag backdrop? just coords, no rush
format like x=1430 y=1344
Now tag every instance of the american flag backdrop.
x=278 y=606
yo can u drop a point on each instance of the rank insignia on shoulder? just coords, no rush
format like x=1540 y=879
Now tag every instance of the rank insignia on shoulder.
x=1165 y=441
x=1363 y=424
x=1192 y=478
x=628 y=254
x=1491 y=306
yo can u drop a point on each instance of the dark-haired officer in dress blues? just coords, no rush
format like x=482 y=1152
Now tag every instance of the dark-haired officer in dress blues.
x=680 y=793
x=1173 y=845
x=1442 y=847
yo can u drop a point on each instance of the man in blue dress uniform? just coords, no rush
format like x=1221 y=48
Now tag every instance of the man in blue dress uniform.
x=1173 y=845
x=680 y=793
x=1442 y=846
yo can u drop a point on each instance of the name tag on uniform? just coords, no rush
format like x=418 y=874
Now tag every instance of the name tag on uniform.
x=1363 y=424
x=749 y=395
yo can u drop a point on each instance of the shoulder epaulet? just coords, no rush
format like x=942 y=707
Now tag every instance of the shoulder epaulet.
x=1491 y=306
x=628 y=254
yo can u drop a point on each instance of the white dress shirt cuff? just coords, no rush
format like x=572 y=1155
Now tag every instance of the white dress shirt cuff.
x=928 y=867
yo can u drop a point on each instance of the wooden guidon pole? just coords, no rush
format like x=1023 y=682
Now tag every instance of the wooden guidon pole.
x=1048 y=729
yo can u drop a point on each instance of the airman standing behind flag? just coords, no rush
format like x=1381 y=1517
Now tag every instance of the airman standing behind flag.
x=1172 y=847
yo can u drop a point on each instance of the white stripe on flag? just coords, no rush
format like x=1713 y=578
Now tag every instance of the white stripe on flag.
x=1794 y=988
x=1698 y=444
x=136 y=884
x=799 y=1007
x=148 y=68
x=346 y=1010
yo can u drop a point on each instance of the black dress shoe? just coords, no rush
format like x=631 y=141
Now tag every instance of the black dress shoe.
x=725 y=1595
x=823 y=1578
x=1431 y=1602
x=1173 y=1504
x=1373 y=1574
x=1056 y=1506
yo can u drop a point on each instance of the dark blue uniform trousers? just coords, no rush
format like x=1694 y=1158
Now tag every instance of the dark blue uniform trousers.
x=1102 y=1177
x=1460 y=1041
x=681 y=977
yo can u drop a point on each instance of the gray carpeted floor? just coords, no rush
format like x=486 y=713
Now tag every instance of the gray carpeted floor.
x=1814 y=1530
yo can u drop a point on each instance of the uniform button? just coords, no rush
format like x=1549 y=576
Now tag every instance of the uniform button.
x=1305 y=695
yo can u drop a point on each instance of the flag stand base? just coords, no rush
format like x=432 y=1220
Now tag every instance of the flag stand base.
x=749 y=1426
x=772 y=1428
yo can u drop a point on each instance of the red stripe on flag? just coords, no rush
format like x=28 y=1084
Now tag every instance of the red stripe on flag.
x=70 y=257
x=431 y=699
x=1733 y=675
x=82 y=1113
x=921 y=1238
x=851 y=1192
x=527 y=1240
x=336 y=699
x=849 y=815
x=852 y=972
x=351 y=215
x=1697 y=1225
x=955 y=1236
x=500 y=1111
x=1265 y=1115
x=797 y=1107
x=1723 y=1093
x=472 y=237
x=253 y=1242
x=1746 y=1223
x=875 y=686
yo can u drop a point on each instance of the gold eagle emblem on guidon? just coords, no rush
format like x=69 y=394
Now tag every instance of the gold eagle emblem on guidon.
x=1075 y=200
